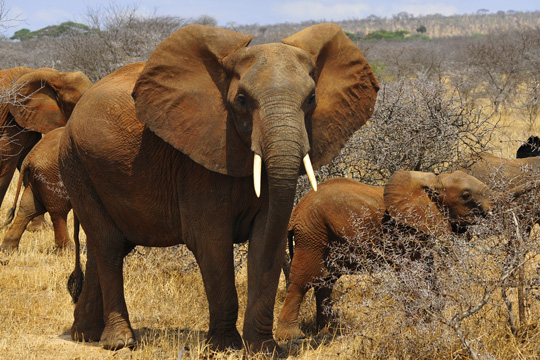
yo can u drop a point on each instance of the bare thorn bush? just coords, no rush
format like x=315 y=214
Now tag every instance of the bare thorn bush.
x=118 y=36
x=419 y=125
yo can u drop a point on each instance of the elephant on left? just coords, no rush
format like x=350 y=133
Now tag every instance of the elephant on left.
x=43 y=100
x=43 y=192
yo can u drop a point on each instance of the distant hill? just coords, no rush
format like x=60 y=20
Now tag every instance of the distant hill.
x=53 y=31
x=431 y=26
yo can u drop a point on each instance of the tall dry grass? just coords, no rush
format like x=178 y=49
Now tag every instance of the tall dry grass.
x=168 y=308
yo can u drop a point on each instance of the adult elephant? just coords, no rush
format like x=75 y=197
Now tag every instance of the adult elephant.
x=43 y=192
x=168 y=152
x=346 y=214
x=41 y=100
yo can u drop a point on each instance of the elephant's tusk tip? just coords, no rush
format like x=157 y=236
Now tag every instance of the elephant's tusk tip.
x=257 y=165
x=309 y=172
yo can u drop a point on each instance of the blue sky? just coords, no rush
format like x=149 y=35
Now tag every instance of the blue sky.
x=36 y=14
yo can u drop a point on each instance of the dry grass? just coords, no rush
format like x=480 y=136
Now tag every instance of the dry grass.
x=168 y=309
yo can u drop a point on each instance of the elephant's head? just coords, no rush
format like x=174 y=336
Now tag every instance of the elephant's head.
x=433 y=203
x=228 y=106
x=46 y=97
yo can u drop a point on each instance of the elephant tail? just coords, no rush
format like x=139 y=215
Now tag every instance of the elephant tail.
x=76 y=279
x=11 y=212
x=290 y=240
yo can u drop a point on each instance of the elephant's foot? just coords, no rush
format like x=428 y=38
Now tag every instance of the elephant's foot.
x=288 y=331
x=37 y=224
x=117 y=337
x=231 y=340
x=9 y=245
x=64 y=247
x=268 y=347
x=81 y=331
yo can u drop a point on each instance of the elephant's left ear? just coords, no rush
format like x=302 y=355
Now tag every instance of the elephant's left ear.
x=409 y=199
x=180 y=96
x=346 y=88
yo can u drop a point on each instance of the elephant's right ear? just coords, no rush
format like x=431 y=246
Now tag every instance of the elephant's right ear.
x=408 y=197
x=36 y=106
x=180 y=96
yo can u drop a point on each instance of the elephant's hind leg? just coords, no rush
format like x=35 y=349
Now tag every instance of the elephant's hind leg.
x=88 y=324
x=29 y=208
x=61 y=236
x=102 y=305
x=101 y=312
x=323 y=299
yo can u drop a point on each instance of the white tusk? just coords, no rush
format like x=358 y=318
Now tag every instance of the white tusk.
x=257 y=162
x=309 y=172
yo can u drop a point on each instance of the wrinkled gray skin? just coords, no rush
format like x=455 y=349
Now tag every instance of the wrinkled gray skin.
x=162 y=153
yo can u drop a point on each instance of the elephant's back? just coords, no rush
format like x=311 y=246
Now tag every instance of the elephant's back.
x=44 y=155
x=340 y=204
x=103 y=123
x=502 y=173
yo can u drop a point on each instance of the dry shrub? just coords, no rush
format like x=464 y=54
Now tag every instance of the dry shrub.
x=419 y=125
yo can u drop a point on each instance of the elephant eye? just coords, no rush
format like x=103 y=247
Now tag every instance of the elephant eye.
x=312 y=99
x=241 y=100
x=466 y=196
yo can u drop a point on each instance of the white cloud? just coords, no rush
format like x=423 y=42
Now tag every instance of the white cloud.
x=309 y=10
x=424 y=9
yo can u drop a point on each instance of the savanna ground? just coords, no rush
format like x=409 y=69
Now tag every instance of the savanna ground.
x=168 y=308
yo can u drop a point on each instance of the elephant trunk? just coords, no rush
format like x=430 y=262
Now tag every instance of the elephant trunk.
x=282 y=159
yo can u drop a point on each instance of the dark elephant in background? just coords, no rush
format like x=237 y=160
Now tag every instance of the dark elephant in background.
x=424 y=203
x=44 y=99
x=43 y=192
x=530 y=148
x=170 y=151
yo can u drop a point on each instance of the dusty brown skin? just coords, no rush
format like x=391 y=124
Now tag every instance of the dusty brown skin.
x=44 y=102
x=161 y=153
x=43 y=192
x=322 y=219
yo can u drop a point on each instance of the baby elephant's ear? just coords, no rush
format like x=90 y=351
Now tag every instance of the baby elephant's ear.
x=408 y=199
x=180 y=97
x=346 y=88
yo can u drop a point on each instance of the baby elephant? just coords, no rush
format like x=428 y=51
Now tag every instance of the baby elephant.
x=422 y=203
x=43 y=192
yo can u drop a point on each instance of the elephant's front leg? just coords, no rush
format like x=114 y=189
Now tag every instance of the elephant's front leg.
x=262 y=288
x=215 y=259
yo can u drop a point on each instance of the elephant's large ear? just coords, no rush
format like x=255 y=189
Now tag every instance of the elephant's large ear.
x=408 y=197
x=346 y=88
x=46 y=97
x=180 y=95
